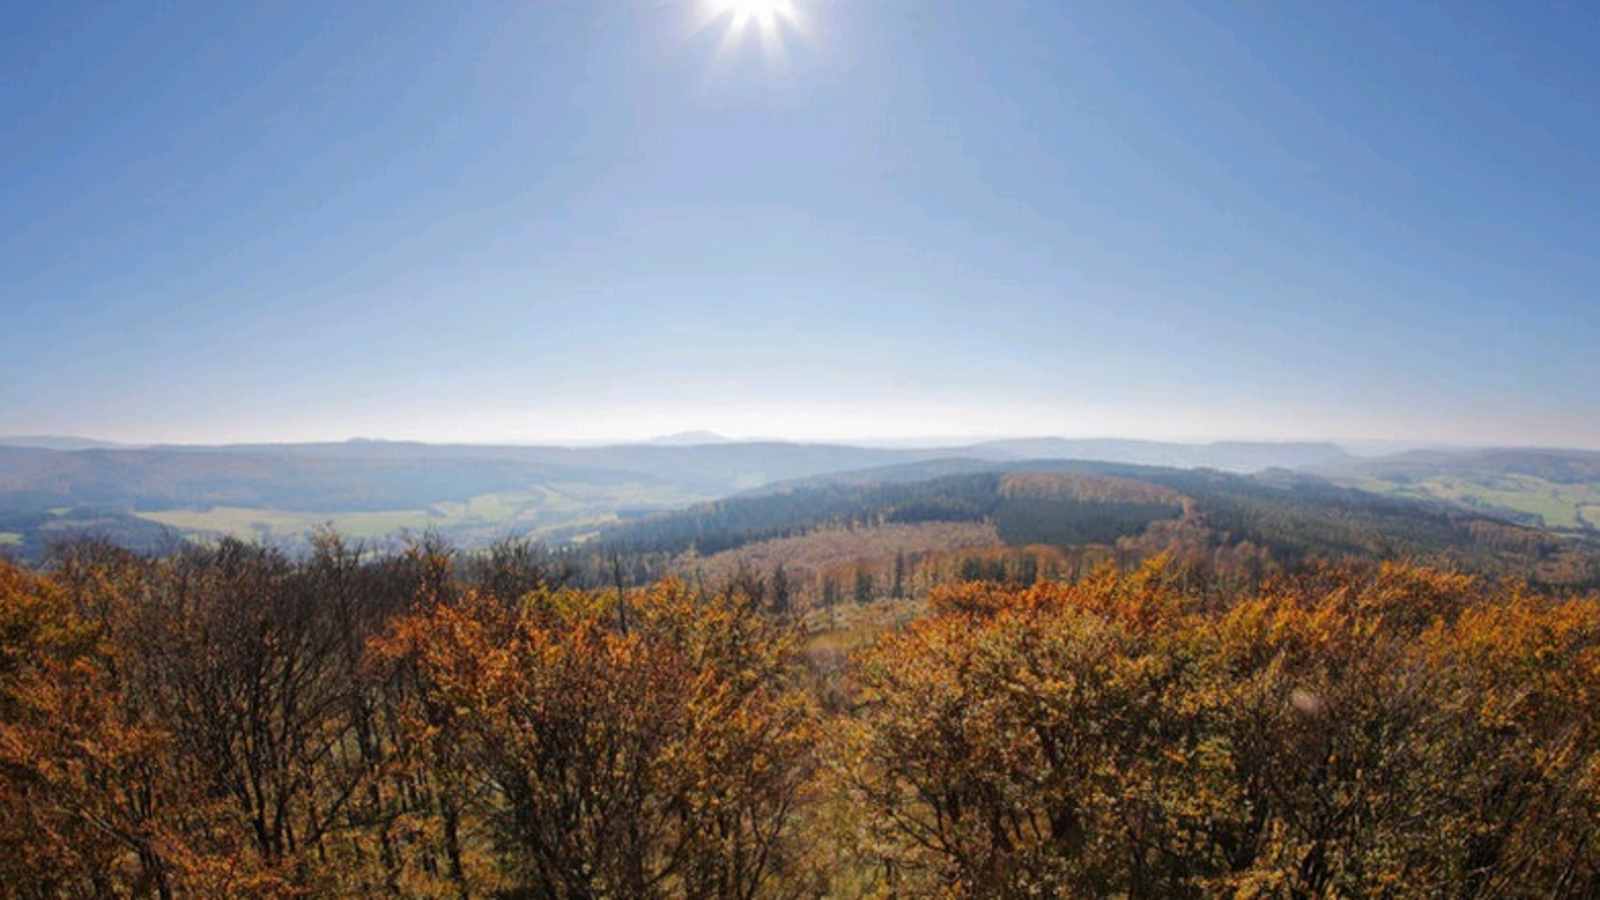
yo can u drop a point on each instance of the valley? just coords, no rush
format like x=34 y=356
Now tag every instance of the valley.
x=1555 y=489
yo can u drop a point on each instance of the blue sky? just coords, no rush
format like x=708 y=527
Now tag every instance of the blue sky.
x=523 y=221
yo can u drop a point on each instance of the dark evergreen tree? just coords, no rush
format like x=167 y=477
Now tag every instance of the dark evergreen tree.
x=830 y=595
x=864 y=586
x=972 y=569
x=780 y=591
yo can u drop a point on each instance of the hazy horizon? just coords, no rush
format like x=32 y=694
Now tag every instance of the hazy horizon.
x=1355 y=446
x=819 y=427
x=555 y=222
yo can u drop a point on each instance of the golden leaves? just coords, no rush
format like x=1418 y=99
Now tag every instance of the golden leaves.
x=242 y=725
x=1348 y=732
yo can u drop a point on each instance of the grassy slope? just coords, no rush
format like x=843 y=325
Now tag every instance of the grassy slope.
x=1590 y=513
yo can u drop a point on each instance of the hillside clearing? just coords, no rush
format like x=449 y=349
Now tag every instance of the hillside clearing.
x=808 y=554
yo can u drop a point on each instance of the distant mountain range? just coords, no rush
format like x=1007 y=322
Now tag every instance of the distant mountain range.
x=59 y=442
x=479 y=491
x=373 y=475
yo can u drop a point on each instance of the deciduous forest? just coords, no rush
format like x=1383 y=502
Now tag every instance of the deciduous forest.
x=230 y=721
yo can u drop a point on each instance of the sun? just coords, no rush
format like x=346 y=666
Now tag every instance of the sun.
x=768 y=17
x=764 y=13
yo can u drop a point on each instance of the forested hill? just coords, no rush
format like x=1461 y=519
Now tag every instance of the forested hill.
x=1290 y=516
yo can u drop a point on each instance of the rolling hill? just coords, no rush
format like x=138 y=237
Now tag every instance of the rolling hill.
x=1274 y=518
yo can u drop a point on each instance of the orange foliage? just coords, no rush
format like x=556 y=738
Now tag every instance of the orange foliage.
x=1398 y=731
x=647 y=750
x=229 y=722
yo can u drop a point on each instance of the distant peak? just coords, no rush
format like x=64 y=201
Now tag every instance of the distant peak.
x=685 y=438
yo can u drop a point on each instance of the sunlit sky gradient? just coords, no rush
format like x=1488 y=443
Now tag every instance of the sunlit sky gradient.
x=536 y=220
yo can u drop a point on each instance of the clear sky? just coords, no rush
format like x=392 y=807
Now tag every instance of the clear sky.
x=531 y=220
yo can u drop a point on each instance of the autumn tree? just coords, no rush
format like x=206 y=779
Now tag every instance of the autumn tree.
x=663 y=761
x=91 y=773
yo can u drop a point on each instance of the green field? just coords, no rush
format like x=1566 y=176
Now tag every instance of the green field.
x=242 y=522
x=476 y=520
x=1590 y=513
x=1555 y=505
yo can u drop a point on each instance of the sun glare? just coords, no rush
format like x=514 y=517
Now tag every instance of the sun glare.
x=770 y=18
x=762 y=12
